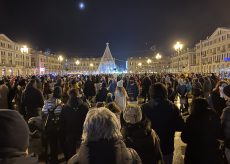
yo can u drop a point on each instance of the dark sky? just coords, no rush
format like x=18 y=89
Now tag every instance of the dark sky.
x=130 y=26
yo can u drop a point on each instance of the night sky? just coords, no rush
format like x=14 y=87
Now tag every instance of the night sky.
x=130 y=26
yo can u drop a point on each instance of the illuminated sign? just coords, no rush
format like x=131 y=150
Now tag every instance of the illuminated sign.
x=226 y=59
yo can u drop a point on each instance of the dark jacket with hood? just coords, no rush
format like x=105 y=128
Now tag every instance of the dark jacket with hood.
x=165 y=119
x=31 y=103
x=144 y=140
x=102 y=95
x=201 y=133
x=72 y=118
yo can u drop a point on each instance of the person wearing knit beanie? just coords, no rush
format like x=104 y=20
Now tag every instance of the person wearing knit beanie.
x=132 y=114
x=14 y=132
x=14 y=139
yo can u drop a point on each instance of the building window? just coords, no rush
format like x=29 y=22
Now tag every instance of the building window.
x=228 y=36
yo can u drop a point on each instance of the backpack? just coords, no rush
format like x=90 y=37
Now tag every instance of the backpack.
x=51 y=123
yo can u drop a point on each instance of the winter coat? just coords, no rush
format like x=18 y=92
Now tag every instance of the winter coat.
x=89 y=89
x=72 y=119
x=207 y=86
x=102 y=95
x=105 y=152
x=146 y=83
x=165 y=119
x=201 y=133
x=4 y=92
x=133 y=91
x=31 y=103
x=216 y=102
x=225 y=122
x=120 y=100
x=144 y=140
x=182 y=90
x=112 y=87
x=19 y=160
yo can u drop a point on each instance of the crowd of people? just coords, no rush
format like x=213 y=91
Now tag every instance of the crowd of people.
x=120 y=119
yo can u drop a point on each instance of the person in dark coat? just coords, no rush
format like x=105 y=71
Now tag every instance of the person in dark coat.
x=32 y=101
x=165 y=119
x=225 y=122
x=207 y=87
x=102 y=141
x=201 y=133
x=102 y=94
x=146 y=83
x=14 y=139
x=132 y=89
x=50 y=115
x=89 y=89
x=215 y=100
x=171 y=92
x=139 y=135
x=72 y=118
x=4 y=92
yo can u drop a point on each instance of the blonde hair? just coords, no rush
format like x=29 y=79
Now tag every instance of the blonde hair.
x=101 y=123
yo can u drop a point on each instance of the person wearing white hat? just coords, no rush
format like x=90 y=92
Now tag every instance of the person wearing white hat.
x=121 y=96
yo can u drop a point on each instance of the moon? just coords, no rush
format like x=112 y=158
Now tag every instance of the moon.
x=81 y=5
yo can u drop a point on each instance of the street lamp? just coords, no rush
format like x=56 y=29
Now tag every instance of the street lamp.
x=139 y=64
x=178 y=47
x=158 y=56
x=24 y=50
x=77 y=62
x=149 y=61
x=60 y=59
x=91 y=64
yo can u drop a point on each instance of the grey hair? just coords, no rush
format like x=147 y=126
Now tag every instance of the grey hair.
x=101 y=123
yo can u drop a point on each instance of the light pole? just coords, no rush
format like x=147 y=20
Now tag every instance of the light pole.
x=158 y=57
x=148 y=62
x=91 y=67
x=77 y=62
x=60 y=59
x=178 y=47
x=24 y=50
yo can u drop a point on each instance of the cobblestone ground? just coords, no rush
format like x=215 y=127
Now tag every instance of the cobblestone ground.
x=179 y=149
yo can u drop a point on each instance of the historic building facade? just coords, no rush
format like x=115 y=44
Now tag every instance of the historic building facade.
x=183 y=61
x=211 y=55
x=43 y=63
x=148 y=64
x=13 y=61
x=82 y=65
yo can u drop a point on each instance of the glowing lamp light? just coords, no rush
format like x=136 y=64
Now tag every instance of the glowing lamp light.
x=77 y=62
x=24 y=49
x=178 y=46
x=149 y=61
x=91 y=64
x=42 y=69
x=139 y=64
x=60 y=58
x=158 y=56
